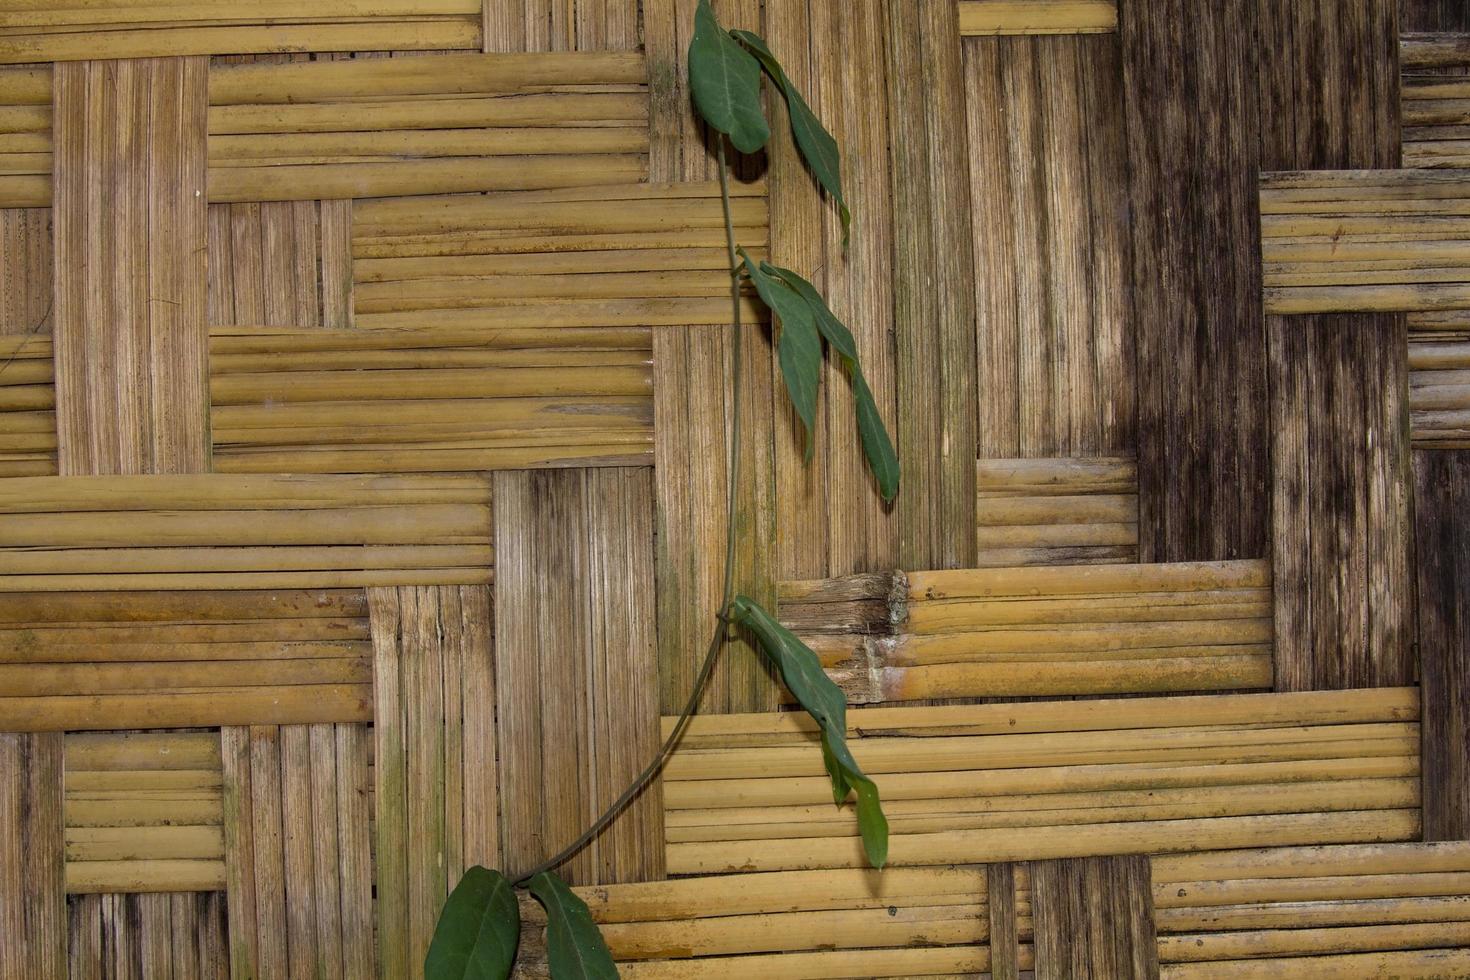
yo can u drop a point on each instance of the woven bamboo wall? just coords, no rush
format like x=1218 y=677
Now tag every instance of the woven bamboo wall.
x=364 y=396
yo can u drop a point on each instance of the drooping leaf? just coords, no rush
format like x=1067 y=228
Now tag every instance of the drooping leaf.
x=803 y=675
x=575 y=949
x=817 y=146
x=877 y=446
x=726 y=82
x=799 y=347
x=478 y=931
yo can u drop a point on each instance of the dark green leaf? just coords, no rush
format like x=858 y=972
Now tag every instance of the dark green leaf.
x=799 y=347
x=803 y=675
x=726 y=82
x=575 y=949
x=877 y=446
x=817 y=146
x=478 y=930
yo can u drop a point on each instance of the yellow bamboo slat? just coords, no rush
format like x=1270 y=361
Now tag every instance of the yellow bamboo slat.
x=25 y=136
x=1365 y=240
x=1056 y=511
x=1202 y=773
x=989 y=17
x=27 y=405
x=1255 y=913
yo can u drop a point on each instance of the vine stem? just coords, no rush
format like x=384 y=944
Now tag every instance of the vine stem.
x=717 y=641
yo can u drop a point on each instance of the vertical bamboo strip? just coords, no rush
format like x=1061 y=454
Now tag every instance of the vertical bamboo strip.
x=280 y=264
x=25 y=270
x=934 y=322
x=1436 y=16
x=1005 y=940
x=576 y=716
x=131 y=338
x=157 y=936
x=560 y=25
x=32 y=899
x=1093 y=919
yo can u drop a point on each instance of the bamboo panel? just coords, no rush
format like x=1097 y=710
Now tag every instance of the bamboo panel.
x=576 y=712
x=32 y=885
x=1002 y=882
x=434 y=763
x=1068 y=779
x=136 y=661
x=933 y=270
x=281 y=263
x=1377 y=241
x=1008 y=632
x=25 y=174
x=298 y=855
x=561 y=25
x=75 y=30
x=1056 y=349
x=1441 y=496
x=1190 y=100
x=983 y=17
x=1094 y=917
x=1436 y=112
x=144 y=813
x=1439 y=391
x=453 y=123
x=178 y=936
x=25 y=270
x=1341 y=521
x=435 y=399
x=27 y=406
x=624 y=255
x=131 y=354
x=241 y=532
x=1059 y=511
x=1435 y=15
x=1386 y=910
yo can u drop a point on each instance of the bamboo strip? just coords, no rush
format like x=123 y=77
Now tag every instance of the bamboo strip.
x=986 y=17
x=1114 y=676
x=518 y=116
x=1438 y=908
x=104 y=877
x=174 y=842
x=296 y=704
x=918 y=962
x=1348 y=887
x=207 y=492
x=1306 y=862
x=1191 y=576
x=202 y=607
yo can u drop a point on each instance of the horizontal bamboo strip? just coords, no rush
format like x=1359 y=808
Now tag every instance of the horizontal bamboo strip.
x=572 y=313
x=1093 y=580
x=941 y=961
x=557 y=115
x=369 y=460
x=166 y=843
x=50 y=680
x=982 y=17
x=106 y=753
x=187 y=581
x=104 y=877
x=1345 y=886
x=201 y=608
x=1276 y=943
x=231 y=346
x=1439 y=908
x=1309 y=862
x=1439 y=393
x=129 y=812
x=1030 y=678
x=1427 y=964
x=209 y=493
x=291 y=705
x=1069 y=641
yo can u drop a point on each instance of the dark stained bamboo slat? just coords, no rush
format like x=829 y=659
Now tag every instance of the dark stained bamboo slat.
x=1093 y=917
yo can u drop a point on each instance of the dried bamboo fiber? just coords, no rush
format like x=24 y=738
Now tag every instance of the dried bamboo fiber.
x=429 y=400
x=1327 y=768
x=982 y=17
x=241 y=532
x=1059 y=511
x=1365 y=241
x=1392 y=909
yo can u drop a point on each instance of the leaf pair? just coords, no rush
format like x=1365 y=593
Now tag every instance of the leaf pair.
x=479 y=931
x=724 y=76
x=805 y=320
x=803 y=675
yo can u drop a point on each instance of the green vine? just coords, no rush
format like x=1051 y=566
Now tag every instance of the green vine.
x=479 y=928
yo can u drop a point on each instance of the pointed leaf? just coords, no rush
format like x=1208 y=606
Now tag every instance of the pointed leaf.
x=478 y=931
x=726 y=82
x=817 y=146
x=871 y=822
x=799 y=347
x=575 y=949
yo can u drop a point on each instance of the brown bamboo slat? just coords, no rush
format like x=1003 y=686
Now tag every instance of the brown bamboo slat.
x=136 y=662
x=33 y=937
x=453 y=123
x=1439 y=391
x=75 y=30
x=1342 y=534
x=1375 y=241
x=281 y=263
x=179 y=936
x=1385 y=910
x=1058 y=511
x=625 y=255
x=296 y=840
x=1093 y=918
x=981 y=17
x=1441 y=496
x=241 y=532
x=144 y=813
x=579 y=664
x=25 y=271
x=561 y=25
x=27 y=406
x=1110 y=777
x=131 y=342
x=434 y=764
x=1056 y=360
x=424 y=400
x=1011 y=632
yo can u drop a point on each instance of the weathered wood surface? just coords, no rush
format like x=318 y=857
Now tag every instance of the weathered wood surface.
x=32 y=898
x=1094 y=918
x=179 y=936
x=561 y=25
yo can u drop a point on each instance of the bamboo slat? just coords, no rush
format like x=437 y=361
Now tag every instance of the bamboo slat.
x=280 y=264
x=760 y=805
x=178 y=936
x=1436 y=113
x=25 y=187
x=581 y=664
x=1058 y=511
x=1013 y=632
x=426 y=400
x=33 y=936
x=1093 y=917
x=561 y=25
x=27 y=387
x=1439 y=392
x=207 y=532
x=1364 y=240
x=299 y=886
x=434 y=763
x=982 y=17
x=1400 y=907
x=25 y=271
